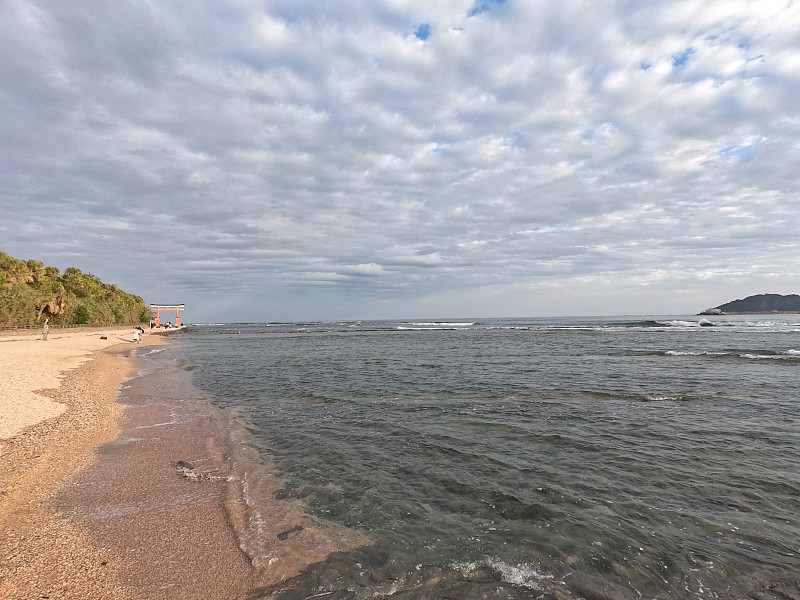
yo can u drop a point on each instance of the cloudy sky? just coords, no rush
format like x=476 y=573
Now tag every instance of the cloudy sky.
x=297 y=159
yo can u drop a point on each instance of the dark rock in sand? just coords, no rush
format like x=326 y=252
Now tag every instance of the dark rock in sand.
x=284 y=535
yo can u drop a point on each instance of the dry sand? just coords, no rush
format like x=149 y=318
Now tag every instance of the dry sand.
x=28 y=364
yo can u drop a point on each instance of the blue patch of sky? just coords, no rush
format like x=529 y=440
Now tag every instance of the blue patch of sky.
x=598 y=73
x=681 y=58
x=423 y=31
x=517 y=139
x=481 y=6
x=291 y=12
x=735 y=151
x=439 y=148
x=588 y=133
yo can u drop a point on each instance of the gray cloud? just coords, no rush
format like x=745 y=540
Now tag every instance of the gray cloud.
x=291 y=160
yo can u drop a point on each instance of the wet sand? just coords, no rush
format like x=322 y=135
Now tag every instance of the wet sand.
x=67 y=529
x=93 y=500
x=170 y=533
x=50 y=432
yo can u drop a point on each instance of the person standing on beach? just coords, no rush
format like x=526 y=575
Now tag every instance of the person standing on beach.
x=136 y=335
x=45 y=329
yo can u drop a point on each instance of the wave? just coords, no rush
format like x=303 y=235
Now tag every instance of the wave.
x=534 y=325
x=640 y=324
x=151 y=351
x=787 y=355
x=769 y=324
x=443 y=324
x=262 y=506
x=434 y=326
x=696 y=353
x=677 y=323
x=523 y=575
x=665 y=398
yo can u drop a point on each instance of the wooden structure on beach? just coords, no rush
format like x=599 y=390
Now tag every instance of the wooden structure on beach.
x=156 y=309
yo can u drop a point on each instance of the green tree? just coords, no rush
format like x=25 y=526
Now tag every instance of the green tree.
x=31 y=291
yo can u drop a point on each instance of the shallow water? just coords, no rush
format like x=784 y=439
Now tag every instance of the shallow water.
x=554 y=458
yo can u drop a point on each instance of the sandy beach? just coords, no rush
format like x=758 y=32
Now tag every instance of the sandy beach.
x=93 y=502
x=29 y=365
x=59 y=407
x=56 y=406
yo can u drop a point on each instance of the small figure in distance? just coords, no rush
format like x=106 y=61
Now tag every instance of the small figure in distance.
x=45 y=329
x=137 y=337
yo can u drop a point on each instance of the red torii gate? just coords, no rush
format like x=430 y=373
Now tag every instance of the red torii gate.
x=157 y=308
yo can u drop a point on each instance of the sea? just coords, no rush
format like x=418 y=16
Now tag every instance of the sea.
x=605 y=458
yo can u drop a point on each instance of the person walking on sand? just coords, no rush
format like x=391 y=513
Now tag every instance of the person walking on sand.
x=137 y=337
x=45 y=329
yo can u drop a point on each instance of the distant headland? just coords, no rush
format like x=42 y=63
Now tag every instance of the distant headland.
x=758 y=304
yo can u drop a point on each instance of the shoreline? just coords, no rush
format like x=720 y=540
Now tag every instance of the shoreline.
x=92 y=501
x=183 y=465
x=56 y=478
x=170 y=534
x=81 y=378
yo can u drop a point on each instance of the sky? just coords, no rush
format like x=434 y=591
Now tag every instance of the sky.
x=287 y=160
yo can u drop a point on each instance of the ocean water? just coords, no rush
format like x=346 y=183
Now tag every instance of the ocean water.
x=598 y=458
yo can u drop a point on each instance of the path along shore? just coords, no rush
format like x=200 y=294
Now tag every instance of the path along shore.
x=58 y=407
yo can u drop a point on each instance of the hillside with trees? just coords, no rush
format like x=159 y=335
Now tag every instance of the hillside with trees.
x=758 y=304
x=31 y=292
x=763 y=303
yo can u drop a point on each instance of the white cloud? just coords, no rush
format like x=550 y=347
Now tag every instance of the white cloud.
x=253 y=150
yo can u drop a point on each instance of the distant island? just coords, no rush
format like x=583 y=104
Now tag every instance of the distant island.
x=758 y=304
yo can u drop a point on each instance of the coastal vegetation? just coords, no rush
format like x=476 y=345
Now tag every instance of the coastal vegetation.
x=31 y=292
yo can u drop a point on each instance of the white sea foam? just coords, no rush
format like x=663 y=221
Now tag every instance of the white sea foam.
x=659 y=398
x=523 y=575
x=752 y=356
x=433 y=326
x=443 y=324
x=174 y=421
x=677 y=323
x=694 y=353
x=152 y=351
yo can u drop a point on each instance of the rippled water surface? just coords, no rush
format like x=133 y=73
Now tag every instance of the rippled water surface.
x=554 y=458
